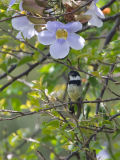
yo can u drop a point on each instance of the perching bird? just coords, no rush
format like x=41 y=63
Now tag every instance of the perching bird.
x=74 y=90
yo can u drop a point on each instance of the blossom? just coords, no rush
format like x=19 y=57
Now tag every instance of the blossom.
x=96 y=15
x=24 y=26
x=61 y=37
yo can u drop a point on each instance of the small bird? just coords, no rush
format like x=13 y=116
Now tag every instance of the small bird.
x=74 y=89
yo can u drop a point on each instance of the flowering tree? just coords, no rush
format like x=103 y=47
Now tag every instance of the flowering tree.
x=41 y=41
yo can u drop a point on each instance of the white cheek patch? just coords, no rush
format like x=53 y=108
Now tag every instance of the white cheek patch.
x=72 y=78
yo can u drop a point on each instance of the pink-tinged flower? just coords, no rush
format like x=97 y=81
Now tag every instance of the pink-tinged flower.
x=61 y=37
x=96 y=15
x=25 y=28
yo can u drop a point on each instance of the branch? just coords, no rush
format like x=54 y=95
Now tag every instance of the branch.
x=73 y=154
x=104 y=88
x=21 y=114
x=113 y=92
x=24 y=142
x=93 y=135
x=49 y=17
x=25 y=72
x=9 y=71
x=114 y=116
x=25 y=42
x=112 y=32
x=111 y=17
x=101 y=101
x=108 y=4
x=40 y=155
x=100 y=129
x=81 y=70
x=6 y=19
x=108 y=39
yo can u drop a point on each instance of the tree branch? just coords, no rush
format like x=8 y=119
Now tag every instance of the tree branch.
x=9 y=71
x=25 y=72
x=112 y=32
x=104 y=88
x=108 y=4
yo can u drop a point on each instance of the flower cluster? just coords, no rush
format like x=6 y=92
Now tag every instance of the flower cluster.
x=61 y=37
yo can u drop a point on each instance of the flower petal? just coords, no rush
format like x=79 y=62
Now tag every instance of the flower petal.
x=28 y=32
x=20 y=23
x=95 y=17
x=99 y=13
x=52 y=26
x=20 y=6
x=12 y=2
x=59 y=49
x=19 y=36
x=95 y=21
x=96 y=1
x=89 y=12
x=75 y=41
x=92 y=6
x=73 y=26
x=46 y=37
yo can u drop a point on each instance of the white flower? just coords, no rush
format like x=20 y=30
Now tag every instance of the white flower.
x=25 y=27
x=61 y=37
x=96 y=15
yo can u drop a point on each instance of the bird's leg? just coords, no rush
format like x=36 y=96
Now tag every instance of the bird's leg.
x=71 y=109
x=80 y=106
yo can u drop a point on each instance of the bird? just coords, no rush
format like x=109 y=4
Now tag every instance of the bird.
x=74 y=90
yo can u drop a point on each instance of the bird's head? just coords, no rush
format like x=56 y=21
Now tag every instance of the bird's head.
x=74 y=75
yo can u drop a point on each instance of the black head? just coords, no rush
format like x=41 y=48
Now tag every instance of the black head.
x=73 y=74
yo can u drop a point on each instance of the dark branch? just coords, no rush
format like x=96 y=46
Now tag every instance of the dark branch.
x=72 y=155
x=40 y=155
x=9 y=71
x=112 y=32
x=25 y=73
x=108 y=4
x=112 y=17
x=114 y=116
x=104 y=88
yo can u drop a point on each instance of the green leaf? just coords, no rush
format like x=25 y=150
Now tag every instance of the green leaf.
x=3 y=41
x=15 y=102
x=54 y=123
x=25 y=60
x=93 y=81
x=52 y=156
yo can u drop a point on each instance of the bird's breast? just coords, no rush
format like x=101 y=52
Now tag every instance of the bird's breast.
x=74 y=91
